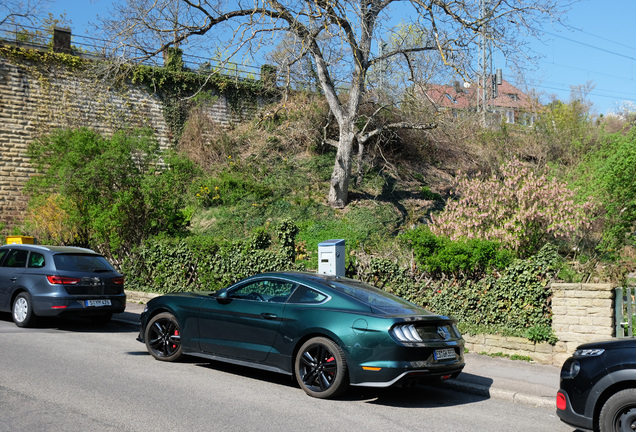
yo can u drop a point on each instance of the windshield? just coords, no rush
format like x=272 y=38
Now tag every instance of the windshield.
x=80 y=262
x=376 y=298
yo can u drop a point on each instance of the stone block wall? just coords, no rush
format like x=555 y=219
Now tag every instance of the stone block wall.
x=38 y=98
x=580 y=313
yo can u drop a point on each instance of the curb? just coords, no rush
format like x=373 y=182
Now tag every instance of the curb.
x=500 y=394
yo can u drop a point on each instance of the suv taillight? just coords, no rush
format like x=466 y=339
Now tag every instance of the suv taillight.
x=62 y=280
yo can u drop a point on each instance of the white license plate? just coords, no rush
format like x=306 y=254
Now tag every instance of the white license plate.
x=445 y=354
x=97 y=303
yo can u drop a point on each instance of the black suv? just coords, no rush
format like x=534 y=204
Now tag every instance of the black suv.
x=58 y=280
x=598 y=386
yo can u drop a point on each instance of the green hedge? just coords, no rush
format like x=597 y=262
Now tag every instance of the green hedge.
x=514 y=302
x=202 y=263
x=517 y=302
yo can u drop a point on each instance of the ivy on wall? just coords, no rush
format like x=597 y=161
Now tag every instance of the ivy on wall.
x=178 y=89
x=176 y=86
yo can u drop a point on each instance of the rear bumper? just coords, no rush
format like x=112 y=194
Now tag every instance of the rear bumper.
x=387 y=374
x=77 y=305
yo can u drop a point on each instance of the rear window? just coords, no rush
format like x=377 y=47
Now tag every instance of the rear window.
x=375 y=297
x=82 y=262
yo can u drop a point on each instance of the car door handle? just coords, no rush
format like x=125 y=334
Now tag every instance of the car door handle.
x=13 y=279
x=269 y=316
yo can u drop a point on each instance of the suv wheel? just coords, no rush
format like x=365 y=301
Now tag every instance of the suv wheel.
x=619 y=412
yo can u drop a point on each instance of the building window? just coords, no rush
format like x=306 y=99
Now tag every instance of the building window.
x=510 y=116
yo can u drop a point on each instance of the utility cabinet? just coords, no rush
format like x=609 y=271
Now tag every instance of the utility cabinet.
x=331 y=257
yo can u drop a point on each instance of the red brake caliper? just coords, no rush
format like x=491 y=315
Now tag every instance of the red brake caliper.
x=176 y=333
x=329 y=360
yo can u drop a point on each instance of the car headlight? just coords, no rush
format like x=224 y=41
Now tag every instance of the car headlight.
x=406 y=333
x=588 y=352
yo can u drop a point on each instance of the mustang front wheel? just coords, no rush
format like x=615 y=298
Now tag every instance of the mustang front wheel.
x=321 y=368
x=163 y=337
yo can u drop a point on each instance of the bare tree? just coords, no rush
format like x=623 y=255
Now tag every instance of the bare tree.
x=19 y=11
x=347 y=27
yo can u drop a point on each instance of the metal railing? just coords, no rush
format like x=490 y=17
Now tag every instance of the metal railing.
x=99 y=49
x=625 y=310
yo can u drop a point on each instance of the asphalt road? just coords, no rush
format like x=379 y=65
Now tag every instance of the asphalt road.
x=69 y=376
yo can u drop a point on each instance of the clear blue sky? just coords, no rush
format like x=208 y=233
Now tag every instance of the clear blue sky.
x=600 y=47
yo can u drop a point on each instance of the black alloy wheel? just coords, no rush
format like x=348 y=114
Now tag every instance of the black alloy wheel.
x=321 y=368
x=619 y=412
x=163 y=337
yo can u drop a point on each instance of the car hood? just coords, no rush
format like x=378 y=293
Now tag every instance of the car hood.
x=618 y=343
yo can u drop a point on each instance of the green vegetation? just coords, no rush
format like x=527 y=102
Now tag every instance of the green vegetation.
x=480 y=241
x=109 y=193
x=509 y=356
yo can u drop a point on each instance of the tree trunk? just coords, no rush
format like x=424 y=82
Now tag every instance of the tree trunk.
x=339 y=190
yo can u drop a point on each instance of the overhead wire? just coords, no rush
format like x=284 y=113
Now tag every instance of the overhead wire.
x=596 y=92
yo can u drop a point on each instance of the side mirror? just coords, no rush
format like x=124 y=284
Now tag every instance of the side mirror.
x=223 y=298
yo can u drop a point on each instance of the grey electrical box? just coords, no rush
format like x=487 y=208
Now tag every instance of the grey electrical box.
x=331 y=257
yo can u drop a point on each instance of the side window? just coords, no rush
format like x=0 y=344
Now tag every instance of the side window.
x=3 y=253
x=16 y=258
x=307 y=295
x=264 y=290
x=36 y=260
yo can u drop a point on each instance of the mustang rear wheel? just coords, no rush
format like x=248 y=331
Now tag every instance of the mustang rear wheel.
x=163 y=337
x=321 y=368
x=22 y=310
x=619 y=412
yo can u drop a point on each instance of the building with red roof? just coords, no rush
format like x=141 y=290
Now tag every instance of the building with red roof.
x=509 y=104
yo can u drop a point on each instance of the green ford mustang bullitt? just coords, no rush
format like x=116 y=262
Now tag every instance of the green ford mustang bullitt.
x=326 y=331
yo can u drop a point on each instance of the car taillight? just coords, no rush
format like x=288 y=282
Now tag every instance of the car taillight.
x=118 y=280
x=561 y=401
x=406 y=333
x=62 y=280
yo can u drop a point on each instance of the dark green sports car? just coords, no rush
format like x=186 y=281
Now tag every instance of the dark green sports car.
x=326 y=331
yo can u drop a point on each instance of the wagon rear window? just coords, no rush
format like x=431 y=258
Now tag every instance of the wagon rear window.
x=79 y=262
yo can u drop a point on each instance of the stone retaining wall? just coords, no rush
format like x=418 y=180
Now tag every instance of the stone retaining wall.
x=139 y=297
x=37 y=97
x=580 y=313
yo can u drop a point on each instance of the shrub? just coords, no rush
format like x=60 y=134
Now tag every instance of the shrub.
x=463 y=258
x=609 y=174
x=115 y=191
x=520 y=209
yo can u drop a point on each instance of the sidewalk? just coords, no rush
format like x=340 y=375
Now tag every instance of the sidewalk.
x=511 y=380
x=498 y=378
